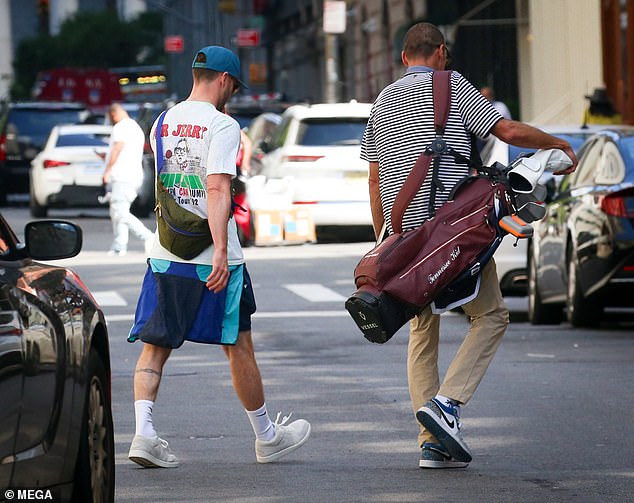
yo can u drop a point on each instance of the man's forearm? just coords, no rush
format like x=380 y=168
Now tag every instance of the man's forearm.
x=376 y=208
x=522 y=135
x=219 y=209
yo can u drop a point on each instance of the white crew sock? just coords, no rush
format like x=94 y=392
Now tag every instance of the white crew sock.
x=143 y=415
x=261 y=423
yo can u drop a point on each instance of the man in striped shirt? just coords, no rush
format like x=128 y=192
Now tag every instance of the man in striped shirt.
x=400 y=127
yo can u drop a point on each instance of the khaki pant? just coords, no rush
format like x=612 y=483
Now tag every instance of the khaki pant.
x=488 y=321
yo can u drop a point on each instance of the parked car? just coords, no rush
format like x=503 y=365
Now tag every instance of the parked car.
x=56 y=429
x=313 y=157
x=510 y=257
x=68 y=171
x=581 y=257
x=24 y=128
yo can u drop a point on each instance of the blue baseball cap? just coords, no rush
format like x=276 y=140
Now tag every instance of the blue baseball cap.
x=219 y=59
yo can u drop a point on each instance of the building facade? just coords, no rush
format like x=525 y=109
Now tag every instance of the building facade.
x=541 y=57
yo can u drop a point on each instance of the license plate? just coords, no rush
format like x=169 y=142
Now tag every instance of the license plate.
x=356 y=175
x=91 y=169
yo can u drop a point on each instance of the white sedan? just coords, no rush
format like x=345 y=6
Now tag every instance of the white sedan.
x=68 y=171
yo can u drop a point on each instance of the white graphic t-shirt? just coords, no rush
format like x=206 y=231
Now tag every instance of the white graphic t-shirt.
x=129 y=165
x=198 y=140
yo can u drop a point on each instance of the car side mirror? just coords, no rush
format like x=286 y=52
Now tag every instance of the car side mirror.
x=52 y=239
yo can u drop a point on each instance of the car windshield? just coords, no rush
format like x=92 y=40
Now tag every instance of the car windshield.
x=83 y=140
x=329 y=131
x=37 y=124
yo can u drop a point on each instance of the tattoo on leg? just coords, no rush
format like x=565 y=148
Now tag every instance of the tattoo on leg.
x=148 y=371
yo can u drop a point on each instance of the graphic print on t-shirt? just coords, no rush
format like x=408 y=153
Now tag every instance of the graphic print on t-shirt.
x=183 y=171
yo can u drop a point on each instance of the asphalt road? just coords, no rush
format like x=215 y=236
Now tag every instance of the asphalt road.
x=551 y=421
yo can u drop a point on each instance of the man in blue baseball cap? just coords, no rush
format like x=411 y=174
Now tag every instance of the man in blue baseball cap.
x=219 y=59
x=209 y=298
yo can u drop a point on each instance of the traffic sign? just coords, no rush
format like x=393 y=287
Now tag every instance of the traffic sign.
x=334 y=17
x=248 y=38
x=174 y=43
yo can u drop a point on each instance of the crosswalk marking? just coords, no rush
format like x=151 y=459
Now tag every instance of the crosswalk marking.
x=109 y=298
x=314 y=292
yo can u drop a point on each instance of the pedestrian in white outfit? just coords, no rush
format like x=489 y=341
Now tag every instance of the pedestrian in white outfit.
x=124 y=173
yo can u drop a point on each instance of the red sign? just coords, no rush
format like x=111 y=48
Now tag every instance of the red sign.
x=174 y=44
x=248 y=38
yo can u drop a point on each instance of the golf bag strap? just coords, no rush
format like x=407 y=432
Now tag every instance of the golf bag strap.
x=441 y=87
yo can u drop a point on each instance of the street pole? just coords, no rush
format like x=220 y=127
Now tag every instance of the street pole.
x=334 y=23
x=331 y=76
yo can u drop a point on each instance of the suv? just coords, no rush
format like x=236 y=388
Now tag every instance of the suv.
x=315 y=154
x=24 y=128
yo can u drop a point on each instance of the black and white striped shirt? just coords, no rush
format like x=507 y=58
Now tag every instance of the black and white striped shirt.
x=401 y=126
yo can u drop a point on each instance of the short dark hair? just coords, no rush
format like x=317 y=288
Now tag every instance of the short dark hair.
x=204 y=75
x=422 y=39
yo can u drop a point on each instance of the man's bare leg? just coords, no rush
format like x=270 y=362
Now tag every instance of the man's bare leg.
x=147 y=449
x=148 y=371
x=245 y=373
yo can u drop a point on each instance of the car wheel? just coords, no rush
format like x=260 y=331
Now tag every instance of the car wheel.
x=94 y=468
x=37 y=210
x=581 y=311
x=538 y=312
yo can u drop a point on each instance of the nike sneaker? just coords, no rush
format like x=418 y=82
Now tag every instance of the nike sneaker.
x=443 y=422
x=436 y=456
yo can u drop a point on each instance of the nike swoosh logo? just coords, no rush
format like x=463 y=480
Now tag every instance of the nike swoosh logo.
x=449 y=423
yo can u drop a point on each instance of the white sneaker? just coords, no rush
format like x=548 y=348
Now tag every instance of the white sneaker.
x=287 y=438
x=117 y=253
x=152 y=452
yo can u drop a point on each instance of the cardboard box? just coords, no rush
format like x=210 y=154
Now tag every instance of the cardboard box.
x=269 y=227
x=299 y=226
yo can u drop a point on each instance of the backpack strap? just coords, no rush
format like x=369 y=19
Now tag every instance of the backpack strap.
x=159 y=142
x=441 y=87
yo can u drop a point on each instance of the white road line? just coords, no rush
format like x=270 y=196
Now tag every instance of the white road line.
x=271 y=314
x=314 y=292
x=109 y=298
x=539 y=355
x=302 y=314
